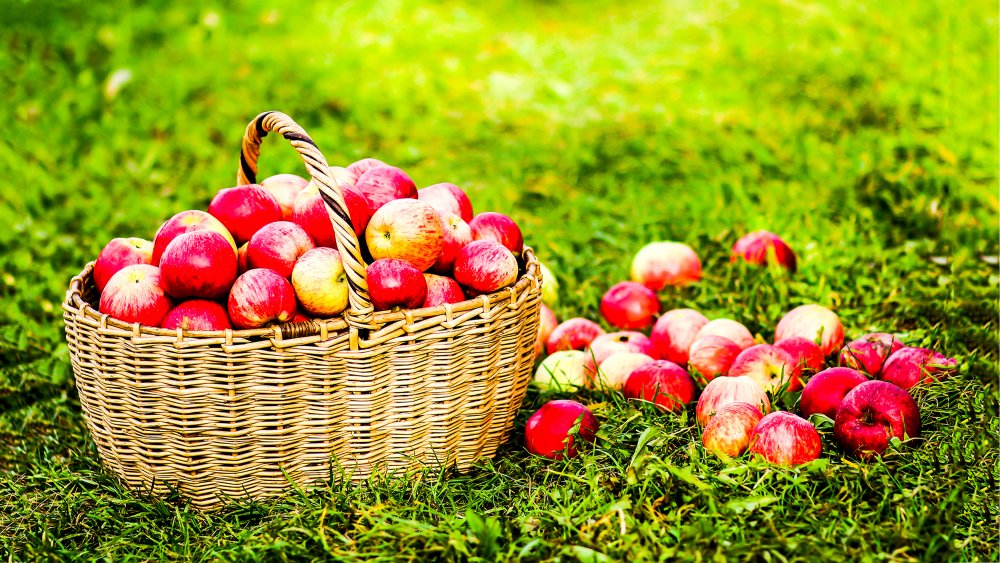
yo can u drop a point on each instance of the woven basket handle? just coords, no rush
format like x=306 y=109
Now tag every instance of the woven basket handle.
x=360 y=310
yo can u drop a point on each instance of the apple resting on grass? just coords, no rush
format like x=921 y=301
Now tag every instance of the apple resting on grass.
x=873 y=413
x=661 y=382
x=457 y=234
x=485 y=266
x=198 y=264
x=909 y=366
x=724 y=390
x=284 y=188
x=197 y=314
x=550 y=285
x=447 y=199
x=243 y=210
x=441 y=290
x=498 y=227
x=869 y=353
x=134 y=295
x=659 y=264
x=277 y=246
x=712 y=356
x=807 y=354
x=395 y=283
x=602 y=347
x=728 y=328
x=186 y=222
x=562 y=371
x=785 y=439
x=630 y=305
x=550 y=431
x=573 y=334
x=812 y=322
x=320 y=282
x=310 y=213
x=825 y=390
x=408 y=230
x=770 y=366
x=615 y=369
x=729 y=431
x=118 y=253
x=761 y=247
x=383 y=184
x=674 y=333
x=547 y=321
x=261 y=297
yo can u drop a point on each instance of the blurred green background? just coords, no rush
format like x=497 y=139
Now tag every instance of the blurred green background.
x=865 y=134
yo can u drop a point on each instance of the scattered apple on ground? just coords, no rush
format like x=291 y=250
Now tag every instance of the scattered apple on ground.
x=666 y=263
x=558 y=427
x=785 y=439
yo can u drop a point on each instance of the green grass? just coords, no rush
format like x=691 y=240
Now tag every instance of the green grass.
x=865 y=135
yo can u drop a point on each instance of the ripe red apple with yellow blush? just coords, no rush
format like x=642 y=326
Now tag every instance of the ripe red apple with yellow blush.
x=630 y=306
x=408 y=230
x=547 y=322
x=393 y=282
x=383 y=184
x=659 y=264
x=442 y=289
x=359 y=167
x=724 y=390
x=785 y=439
x=311 y=213
x=485 y=266
x=728 y=328
x=243 y=210
x=320 y=282
x=498 y=227
x=118 y=253
x=661 y=382
x=261 y=297
x=615 y=369
x=807 y=354
x=447 y=199
x=869 y=353
x=712 y=356
x=198 y=264
x=770 y=366
x=197 y=314
x=277 y=246
x=910 y=366
x=457 y=234
x=134 y=294
x=824 y=391
x=675 y=331
x=729 y=431
x=573 y=334
x=284 y=188
x=603 y=346
x=812 y=322
x=871 y=415
x=186 y=222
x=762 y=248
x=558 y=428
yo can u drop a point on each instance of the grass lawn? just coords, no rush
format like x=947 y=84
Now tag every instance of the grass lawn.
x=865 y=134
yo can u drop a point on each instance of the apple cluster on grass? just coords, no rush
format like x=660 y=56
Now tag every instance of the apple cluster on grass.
x=267 y=253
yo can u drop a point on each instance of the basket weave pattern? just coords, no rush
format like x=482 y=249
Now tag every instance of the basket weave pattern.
x=231 y=414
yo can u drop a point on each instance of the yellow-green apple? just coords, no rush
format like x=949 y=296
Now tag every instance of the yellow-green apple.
x=185 y=222
x=198 y=264
x=812 y=322
x=562 y=371
x=869 y=352
x=241 y=258
x=674 y=333
x=663 y=263
x=383 y=184
x=197 y=314
x=623 y=341
x=615 y=369
x=910 y=366
x=807 y=354
x=573 y=334
x=118 y=253
x=499 y=227
x=393 y=282
x=359 y=167
x=711 y=356
x=312 y=214
x=447 y=198
x=558 y=427
x=261 y=297
x=727 y=328
x=457 y=234
x=550 y=285
x=763 y=247
x=284 y=188
x=441 y=290
x=243 y=210
x=406 y=229
x=871 y=415
x=770 y=366
x=785 y=439
x=485 y=266
x=661 y=382
x=134 y=295
x=728 y=432
x=630 y=305
x=547 y=322
x=825 y=390
x=320 y=282
x=277 y=246
x=724 y=390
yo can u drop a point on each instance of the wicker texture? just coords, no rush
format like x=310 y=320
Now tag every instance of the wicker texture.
x=231 y=414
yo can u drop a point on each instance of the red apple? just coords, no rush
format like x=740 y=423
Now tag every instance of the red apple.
x=870 y=352
x=659 y=264
x=197 y=314
x=311 y=213
x=871 y=414
x=761 y=247
x=825 y=390
x=562 y=370
x=674 y=333
x=118 y=253
x=630 y=305
x=395 y=283
x=604 y=345
x=457 y=234
x=277 y=246
x=441 y=290
x=186 y=222
x=406 y=229
x=573 y=334
x=909 y=366
x=383 y=184
x=261 y=297
x=243 y=210
x=547 y=322
x=447 y=198
x=134 y=295
x=712 y=356
x=812 y=322
x=549 y=432
x=320 y=282
x=729 y=431
x=724 y=390
x=807 y=354
x=615 y=369
x=359 y=167
x=498 y=227
x=770 y=366
x=485 y=266
x=198 y=264
x=785 y=439
x=662 y=382
x=284 y=188
x=728 y=328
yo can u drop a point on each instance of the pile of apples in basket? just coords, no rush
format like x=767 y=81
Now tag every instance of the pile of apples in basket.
x=265 y=254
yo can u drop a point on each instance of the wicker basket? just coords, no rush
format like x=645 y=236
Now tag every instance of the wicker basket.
x=231 y=414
